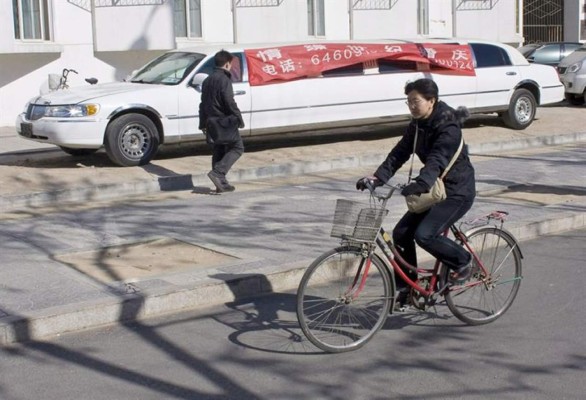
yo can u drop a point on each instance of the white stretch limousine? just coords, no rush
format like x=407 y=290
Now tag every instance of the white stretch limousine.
x=343 y=84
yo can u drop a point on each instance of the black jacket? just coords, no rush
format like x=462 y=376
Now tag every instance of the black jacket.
x=217 y=98
x=438 y=140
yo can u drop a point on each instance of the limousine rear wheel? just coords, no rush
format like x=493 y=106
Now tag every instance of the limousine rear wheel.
x=521 y=110
x=131 y=139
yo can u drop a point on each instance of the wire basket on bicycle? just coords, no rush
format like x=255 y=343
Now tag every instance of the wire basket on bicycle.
x=358 y=222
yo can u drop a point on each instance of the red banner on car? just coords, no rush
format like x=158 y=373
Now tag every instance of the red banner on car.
x=283 y=63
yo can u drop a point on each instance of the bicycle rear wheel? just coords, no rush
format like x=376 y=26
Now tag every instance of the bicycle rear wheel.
x=489 y=293
x=334 y=312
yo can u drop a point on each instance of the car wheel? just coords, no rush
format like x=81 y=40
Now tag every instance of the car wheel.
x=78 y=152
x=574 y=99
x=521 y=110
x=131 y=139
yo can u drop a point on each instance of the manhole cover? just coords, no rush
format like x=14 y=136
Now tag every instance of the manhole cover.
x=142 y=259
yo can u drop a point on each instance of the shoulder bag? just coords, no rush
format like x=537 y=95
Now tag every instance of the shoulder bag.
x=222 y=130
x=423 y=202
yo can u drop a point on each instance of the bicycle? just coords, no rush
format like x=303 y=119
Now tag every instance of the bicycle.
x=347 y=293
x=62 y=84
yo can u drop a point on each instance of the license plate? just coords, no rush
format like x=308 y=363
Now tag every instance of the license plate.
x=26 y=129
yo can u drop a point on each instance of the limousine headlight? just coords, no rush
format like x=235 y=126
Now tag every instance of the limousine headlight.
x=71 y=111
x=575 y=67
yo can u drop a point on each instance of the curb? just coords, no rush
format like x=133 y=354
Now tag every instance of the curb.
x=211 y=292
x=189 y=181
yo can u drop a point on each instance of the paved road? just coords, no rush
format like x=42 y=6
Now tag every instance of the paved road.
x=265 y=234
x=253 y=350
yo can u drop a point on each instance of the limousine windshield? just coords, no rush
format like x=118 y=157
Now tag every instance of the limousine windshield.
x=168 y=69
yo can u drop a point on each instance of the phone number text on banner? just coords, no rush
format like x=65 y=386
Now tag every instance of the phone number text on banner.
x=274 y=64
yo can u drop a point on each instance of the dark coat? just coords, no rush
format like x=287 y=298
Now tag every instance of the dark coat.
x=438 y=140
x=217 y=98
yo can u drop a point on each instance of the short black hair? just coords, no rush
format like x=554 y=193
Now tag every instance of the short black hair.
x=426 y=87
x=222 y=57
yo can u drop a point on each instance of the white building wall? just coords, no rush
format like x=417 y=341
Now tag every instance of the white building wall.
x=497 y=24
x=217 y=22
x=440 y=18
x=275 y=24
x=134 y=28
x=337 y=20
x=399 y=21
x=119 y=40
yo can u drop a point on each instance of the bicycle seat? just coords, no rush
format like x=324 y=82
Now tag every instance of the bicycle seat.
x=91 y=81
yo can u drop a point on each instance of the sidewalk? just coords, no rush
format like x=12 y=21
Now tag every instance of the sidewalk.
x=42 y=297
x=46 y=176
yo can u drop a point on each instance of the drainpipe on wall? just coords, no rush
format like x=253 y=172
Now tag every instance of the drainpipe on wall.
x=93 y=12
x=234 y=22
x=454 y=20
x=351 y=18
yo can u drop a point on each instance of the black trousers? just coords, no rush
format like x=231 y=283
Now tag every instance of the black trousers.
x=426 y=230
x=224 y=156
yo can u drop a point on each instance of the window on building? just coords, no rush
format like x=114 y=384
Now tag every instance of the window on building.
x=188 y=18
x=316 y=21
x=31 y=19
x=423 y=17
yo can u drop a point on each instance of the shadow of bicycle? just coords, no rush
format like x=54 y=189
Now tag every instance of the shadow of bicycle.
x=267 y=324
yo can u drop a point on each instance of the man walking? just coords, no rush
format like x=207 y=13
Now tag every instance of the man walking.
x=217 y=101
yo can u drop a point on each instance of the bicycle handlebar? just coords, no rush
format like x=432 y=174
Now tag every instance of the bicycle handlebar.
x=372 y=189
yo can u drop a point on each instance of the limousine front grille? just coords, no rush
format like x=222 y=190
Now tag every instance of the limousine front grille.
x=35 y=111
x=562 y=70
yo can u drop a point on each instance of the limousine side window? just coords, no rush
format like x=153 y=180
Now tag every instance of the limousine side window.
x=487 y=55
x=354 y=69
x=236 y=69
x=390 y=66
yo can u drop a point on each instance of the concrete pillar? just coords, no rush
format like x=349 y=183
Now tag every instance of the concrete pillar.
x=573 y=10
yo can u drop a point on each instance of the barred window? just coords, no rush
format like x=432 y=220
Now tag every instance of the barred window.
x=31 y=19
x=188 y=18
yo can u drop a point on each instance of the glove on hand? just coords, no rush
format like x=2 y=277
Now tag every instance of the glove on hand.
x=362 y=183
x=415 y=188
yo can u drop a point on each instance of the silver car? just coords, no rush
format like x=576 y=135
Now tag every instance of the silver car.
x=572 y=71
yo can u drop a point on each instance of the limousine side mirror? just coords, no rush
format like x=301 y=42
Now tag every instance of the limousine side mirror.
x=197 y=81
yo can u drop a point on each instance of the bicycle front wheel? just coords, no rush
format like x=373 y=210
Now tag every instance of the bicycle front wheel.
x=343 y=299
x=492 y=289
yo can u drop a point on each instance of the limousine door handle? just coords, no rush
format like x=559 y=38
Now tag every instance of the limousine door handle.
x=511 y=73
x=239 y=92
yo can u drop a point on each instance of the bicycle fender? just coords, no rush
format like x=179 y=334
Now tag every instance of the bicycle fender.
x=505 y=232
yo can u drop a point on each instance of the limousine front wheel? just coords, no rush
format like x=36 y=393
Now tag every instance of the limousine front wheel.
x=521 y=110
x=131 y=139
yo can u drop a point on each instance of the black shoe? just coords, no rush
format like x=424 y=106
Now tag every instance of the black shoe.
x=220 y=182
x=226 y=188
x=216 y=179
x=461 y=275
x=401 y=303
